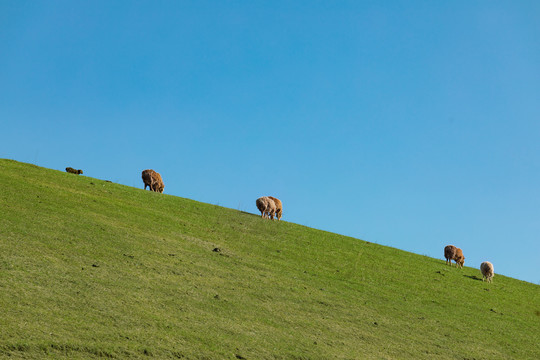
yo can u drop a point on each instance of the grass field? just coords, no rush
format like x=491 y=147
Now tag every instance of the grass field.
x=91 y=269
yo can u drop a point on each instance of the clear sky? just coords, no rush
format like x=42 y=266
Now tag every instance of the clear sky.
x=413 y=124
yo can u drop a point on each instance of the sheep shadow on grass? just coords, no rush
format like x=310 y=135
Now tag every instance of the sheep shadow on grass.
x=474 y=277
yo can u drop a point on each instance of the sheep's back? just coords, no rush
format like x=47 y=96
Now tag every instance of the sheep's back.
x=277 y=202
x=487 y=268
x=271 y=206
x=450 y=251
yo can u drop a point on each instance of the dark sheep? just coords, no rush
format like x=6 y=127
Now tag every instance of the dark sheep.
x=449 y=253
x=73 y=171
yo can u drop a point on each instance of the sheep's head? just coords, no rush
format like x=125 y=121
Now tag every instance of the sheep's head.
x=79 y=172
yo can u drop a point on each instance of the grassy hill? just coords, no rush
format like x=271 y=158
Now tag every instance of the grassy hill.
x=92 y=269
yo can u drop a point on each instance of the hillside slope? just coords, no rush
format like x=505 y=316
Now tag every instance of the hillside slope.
x=91 y=269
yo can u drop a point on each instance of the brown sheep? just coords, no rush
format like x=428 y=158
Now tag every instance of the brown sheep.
x=279 y=207
x=453 y=253
x=147 y=178
x=158 y=183
x=459 y=258
x=266 y=206
x=486 y=268
x=153 y=180
x=449 y=253
x=73 y=171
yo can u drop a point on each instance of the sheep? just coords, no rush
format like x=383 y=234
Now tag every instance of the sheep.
x=266 y=206
x=153 y=180
x=459 y=258
x=147 y=178
x=453 y=253
x=487 y=270
x=449 y=253
x=279 y=207
x=73 y=171
x=261 y=204
x=158 y=183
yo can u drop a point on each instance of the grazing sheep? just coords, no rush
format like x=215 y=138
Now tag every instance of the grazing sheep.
x=486 y=268
x=279 y=207
x=153 y=180
x=158 y=183
x=459 y=258
x=73 y=171
x=449 y=253
x=147 y=178
x=453 y=253
x=266 y=206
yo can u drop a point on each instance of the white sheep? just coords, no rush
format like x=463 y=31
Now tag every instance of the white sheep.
x=266 y=206
x=487 y=271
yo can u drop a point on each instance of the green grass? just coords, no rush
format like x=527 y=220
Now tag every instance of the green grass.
x=91 y=269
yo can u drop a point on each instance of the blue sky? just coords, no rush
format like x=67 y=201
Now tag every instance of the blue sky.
x=413 y=124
